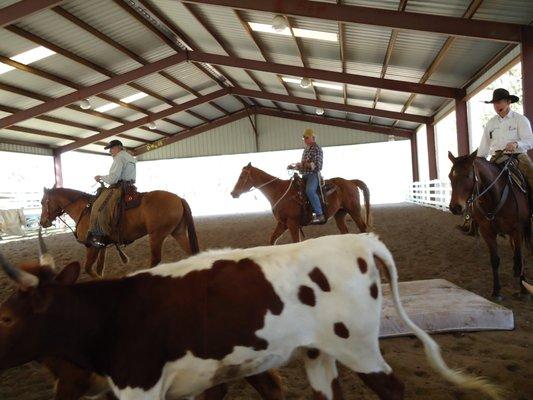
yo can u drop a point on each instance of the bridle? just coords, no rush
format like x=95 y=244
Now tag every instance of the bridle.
x=61 y=212
x=476 y=195
x=248 y=176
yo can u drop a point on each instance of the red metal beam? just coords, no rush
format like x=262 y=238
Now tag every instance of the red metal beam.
x=451 y=26
x=414 y=158
x=192 y=132
x=22 y=9
x=337 y=122
x=92 y=90
x=331 y=76
x=331 y=105
x=144 y=120
x=461 y=117
x=432 y=151
x=527 y=71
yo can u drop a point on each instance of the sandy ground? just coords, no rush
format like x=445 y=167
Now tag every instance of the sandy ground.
x=425 y=245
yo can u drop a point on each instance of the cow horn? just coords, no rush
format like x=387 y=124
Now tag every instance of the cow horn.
x=528 y=287
x=45 y=258
x=23 y=278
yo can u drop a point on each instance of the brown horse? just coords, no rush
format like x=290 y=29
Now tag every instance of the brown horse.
x=159 y=215
x=483 y=184
x=284 y=198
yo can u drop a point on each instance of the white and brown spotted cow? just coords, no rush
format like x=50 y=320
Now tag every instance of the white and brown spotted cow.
x=172 y=331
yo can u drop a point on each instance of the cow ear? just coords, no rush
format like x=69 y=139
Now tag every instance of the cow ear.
x=451 y=157
x=69 y=275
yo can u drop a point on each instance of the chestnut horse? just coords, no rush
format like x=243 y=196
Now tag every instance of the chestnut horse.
x=483 y=184
x=287 y=207
x=159 y=215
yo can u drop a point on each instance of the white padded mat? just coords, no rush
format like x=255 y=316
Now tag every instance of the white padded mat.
x=437 y=305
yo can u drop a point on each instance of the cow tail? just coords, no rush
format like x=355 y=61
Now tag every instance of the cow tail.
x=386 y=263
x=191 y=230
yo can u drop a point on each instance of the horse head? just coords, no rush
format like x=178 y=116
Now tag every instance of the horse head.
x=51 y=207
x=244 y=183
x=462 y=179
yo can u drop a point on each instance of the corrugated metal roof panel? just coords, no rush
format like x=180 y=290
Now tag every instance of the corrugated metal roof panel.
x=425 y=105
x=34 y=83
x=29 y=137
x=15 y=100
x=454 y=71
x=450 y=8
x=183 y=19
x=110 y=19
x=365 y=48
x=226 y=23
x=512 y=11
x=412 y=55
x=13 y=44
x=65 y=34
x=385 y=4
x=190 y=75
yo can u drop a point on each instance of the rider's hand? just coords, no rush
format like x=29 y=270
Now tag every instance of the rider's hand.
x=98 y=178
x=511 y=147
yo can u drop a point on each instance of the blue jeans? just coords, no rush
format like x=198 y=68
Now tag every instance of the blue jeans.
x=311 y=186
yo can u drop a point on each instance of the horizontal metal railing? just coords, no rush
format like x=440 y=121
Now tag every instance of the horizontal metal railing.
x=432 y=194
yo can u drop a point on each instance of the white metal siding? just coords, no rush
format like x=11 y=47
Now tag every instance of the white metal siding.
x=15 y=148
x=274 y=134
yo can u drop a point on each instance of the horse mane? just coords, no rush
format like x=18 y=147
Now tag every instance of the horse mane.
x=70 y=194
x=260 y=171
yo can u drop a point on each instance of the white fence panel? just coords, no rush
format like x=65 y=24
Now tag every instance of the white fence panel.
x=434 y=194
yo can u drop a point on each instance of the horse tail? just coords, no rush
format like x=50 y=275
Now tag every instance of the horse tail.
x=385 y=263
x=366 y=194
x=191 y=230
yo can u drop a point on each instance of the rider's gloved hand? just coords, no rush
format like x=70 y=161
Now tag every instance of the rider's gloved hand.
x=511 y=147
x=98 y=178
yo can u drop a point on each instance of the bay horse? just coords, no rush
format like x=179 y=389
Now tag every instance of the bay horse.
x=159 y=215
x=284 y=198
x=483 y=184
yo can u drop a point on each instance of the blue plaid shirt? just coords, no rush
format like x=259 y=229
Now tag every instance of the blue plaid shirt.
x=312 y=154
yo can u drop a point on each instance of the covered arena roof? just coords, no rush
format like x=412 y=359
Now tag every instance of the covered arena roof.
x=383 y=66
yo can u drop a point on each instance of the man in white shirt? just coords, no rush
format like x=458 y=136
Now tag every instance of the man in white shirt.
x=121 y=174
x=508 y=132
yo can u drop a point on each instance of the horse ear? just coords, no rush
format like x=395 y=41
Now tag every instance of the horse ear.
x=474 y=154
x=249 y=164
x=451 y=157
x=45 y=189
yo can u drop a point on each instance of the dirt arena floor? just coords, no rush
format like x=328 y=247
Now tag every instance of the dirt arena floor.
x=425 y=245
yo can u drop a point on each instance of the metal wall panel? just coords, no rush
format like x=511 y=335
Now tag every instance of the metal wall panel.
x=274 y=134
x=234 y=138
x=283 y=134
x=14 y=148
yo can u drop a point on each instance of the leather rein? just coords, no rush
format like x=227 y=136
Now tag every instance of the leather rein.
x=473 y=200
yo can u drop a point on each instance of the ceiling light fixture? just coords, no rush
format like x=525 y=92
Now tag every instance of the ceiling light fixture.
x=85 y=104
x=319 y=111
x=305 y=83
x=152 y=125
x=279 y=23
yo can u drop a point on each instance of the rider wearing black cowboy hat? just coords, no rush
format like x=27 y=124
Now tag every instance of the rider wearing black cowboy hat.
x=508 y=132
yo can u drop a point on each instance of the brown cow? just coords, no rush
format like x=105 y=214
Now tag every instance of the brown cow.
x=73 y=382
